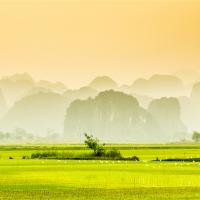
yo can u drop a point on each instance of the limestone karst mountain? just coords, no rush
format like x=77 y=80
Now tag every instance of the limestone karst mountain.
x=37 y=113
x=188 y=76
x=3 y=105
x=14 y=87
x=82 y=93
x=158 y=86
x=17 y=86
x=195 y=94
x=57 y=87
x=191 y=108
x=120 y=114
x=167 y=112
x=41 y=110
x=103 y=83
x=36 y=90
x=142 y=99
x=131 y=114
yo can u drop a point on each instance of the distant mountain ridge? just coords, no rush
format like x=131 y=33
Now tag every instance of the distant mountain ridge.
x=159 y=105
x=103 y=83
x=36 y=113
x=120 y=114
x=158 y=86
x=18 y=85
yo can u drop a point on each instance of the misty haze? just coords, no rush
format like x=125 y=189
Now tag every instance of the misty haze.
x=99 y=99
x=159 y=109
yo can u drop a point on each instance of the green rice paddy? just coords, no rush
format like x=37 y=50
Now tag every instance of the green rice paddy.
x=99 y=180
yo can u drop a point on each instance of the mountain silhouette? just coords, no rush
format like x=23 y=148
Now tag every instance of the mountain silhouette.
x=144 y=110
x=14 y=87
x=158 y=86
x=103 y=83
x=3 y=105
x=110 y=116
x=82 y=93
x=37 y=113
x=57 y=87
x=191 y=108
x=167 y=112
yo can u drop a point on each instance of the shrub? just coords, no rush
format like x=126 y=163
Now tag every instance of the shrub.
x=100 y=151
x=93 y=143
x=113 y=154
x=48 y=154
x=134 y=158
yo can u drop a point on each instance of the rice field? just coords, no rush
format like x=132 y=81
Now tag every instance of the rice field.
x=80 y=179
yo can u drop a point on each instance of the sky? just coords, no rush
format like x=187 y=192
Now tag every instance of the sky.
x=74 y=41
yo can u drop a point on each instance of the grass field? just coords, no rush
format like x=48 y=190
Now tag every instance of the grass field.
x=70 y=179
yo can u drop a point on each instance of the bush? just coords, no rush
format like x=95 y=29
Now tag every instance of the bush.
x=44 y=155
x=100 y=151
x=134 y=158
x=113 y=154
x=93 y=143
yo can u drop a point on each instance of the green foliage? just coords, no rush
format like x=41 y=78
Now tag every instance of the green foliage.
x=99 y=150
x=49 y=154
x=133 y=158
x=196 y=136
x=93 y=143
x=113 y=154
x=143 y=151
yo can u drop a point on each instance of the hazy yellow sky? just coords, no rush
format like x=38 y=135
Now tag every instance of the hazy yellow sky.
x=74 y=41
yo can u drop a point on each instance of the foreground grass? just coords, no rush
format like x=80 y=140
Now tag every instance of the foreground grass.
x=50 y=179
x=100 y=180
x=105 y=194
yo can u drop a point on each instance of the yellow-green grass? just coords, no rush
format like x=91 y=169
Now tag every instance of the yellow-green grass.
x=99 y=180
x=144 y=152
x=54 y=179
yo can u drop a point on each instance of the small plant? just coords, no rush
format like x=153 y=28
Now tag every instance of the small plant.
x=93 y=143
x=113 y=154
x=133 y=158
x=48 y=154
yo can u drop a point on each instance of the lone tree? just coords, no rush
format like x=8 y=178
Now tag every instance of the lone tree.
x=196 y=136
x=93 y=143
